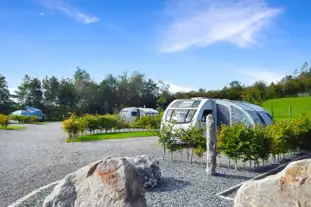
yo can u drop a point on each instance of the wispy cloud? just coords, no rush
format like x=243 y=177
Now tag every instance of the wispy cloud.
x=41 y=13
x=203 y=22
x=70 y=11
x=175 y=88
x=254 y=75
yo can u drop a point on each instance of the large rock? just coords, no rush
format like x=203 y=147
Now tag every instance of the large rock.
x=111 y=182
x=148 y=168
x=290 y=187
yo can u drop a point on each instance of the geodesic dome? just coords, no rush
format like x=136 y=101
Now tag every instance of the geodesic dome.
x=230 y=112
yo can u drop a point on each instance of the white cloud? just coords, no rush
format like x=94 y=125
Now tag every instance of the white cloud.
x=203 y=22
x=254 y=75
x=70 y=11
x=174 y=88
x=41 y=13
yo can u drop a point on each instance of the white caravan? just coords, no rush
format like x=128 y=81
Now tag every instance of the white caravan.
x=130 y=114
x=185 y=112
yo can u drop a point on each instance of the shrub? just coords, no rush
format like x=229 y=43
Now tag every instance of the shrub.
x=4 y=120
x=25 y=119
x=71 y=126
x=92 y=122
x=149 y=122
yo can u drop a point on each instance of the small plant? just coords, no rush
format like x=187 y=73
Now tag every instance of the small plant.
x=4 y=120
x=71 y=126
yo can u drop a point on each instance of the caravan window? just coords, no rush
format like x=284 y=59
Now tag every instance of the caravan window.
x=180 y=116
x=134 y=113
x=190 y=115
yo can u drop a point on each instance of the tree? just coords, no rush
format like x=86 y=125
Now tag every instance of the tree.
x=67 y=95
x=4 y=91
x=30 y=92
x=5 y=102
x=50 y=90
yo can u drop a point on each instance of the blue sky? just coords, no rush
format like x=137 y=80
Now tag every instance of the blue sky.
x=189 y=44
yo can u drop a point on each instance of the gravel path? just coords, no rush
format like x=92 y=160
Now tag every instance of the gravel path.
x=39 y=155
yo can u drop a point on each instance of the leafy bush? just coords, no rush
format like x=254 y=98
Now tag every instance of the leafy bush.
x=148 y=122
x=4 y=120
x=258 y=143
x=92 y=123
x=71 y=126
x=25 y=119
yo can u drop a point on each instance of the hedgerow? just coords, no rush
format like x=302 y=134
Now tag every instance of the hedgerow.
x=237 y=142
x=102 y=123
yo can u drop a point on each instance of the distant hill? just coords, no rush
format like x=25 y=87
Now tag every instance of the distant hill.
x=281 y=106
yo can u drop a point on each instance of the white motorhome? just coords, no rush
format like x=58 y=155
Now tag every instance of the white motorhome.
x=130 y=114
x=185 y=112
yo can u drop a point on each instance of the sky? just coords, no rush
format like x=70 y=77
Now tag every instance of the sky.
x=189 y=44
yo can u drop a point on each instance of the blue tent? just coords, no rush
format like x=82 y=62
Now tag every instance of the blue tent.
x=30 y=111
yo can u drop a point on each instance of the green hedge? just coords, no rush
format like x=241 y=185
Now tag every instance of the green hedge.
x=24 y=119
x=245 y=143
x=97 y=123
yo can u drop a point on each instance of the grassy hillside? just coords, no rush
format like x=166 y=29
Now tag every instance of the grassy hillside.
x=281 y=106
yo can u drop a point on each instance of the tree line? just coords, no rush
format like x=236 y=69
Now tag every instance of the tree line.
x=80 y=94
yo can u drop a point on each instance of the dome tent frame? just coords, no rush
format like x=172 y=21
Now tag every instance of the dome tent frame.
x=185 y=112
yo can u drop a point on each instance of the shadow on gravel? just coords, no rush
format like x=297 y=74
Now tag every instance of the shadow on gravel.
x=167 y=184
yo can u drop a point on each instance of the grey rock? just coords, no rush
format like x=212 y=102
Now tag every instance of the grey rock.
x=148 y=168
x=290 y=187
x=113 y=181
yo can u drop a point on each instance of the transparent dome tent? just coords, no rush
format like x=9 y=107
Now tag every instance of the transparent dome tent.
x=184 y=112
x=231 y=112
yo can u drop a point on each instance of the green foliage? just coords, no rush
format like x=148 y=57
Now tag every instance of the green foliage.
x=71 y=126
x=4 y=120
x=25 y=119
x=257 y=143
x=149 y=122
x=92 y=123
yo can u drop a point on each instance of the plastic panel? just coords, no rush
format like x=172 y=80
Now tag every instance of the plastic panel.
x=238 y=116
x=266 y=118
x=256 y=118
x=223 y=115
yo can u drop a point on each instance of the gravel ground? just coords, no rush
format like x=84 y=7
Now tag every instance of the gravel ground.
x=185 y=185
x=39 y=155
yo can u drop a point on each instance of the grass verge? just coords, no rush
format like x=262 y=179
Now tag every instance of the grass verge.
x=10 y=127
x=116 y=135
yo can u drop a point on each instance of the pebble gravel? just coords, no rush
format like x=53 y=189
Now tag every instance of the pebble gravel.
x=39 y=155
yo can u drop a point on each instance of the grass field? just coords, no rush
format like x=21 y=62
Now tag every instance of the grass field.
x=10 y=127
x=116 y=135
x=281 y=107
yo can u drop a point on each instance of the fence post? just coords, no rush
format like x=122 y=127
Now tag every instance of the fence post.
x=290 y=111
x=272 y=113
x=210 y=146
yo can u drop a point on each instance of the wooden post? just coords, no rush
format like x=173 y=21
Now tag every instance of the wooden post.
x=210 y=146
x=290 y=111
x=272 y=113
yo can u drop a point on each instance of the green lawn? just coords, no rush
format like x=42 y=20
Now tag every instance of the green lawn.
x=116 y=135
x=10 y=127
x=281 y=107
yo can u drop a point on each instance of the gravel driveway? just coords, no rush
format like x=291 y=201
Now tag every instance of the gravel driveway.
x=39 y=155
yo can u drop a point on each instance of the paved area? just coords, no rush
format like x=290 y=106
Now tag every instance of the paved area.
x=39 y=155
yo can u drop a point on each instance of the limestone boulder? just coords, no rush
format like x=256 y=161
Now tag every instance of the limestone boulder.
x=290 y=187
x=113 y=181
x=148 y=168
